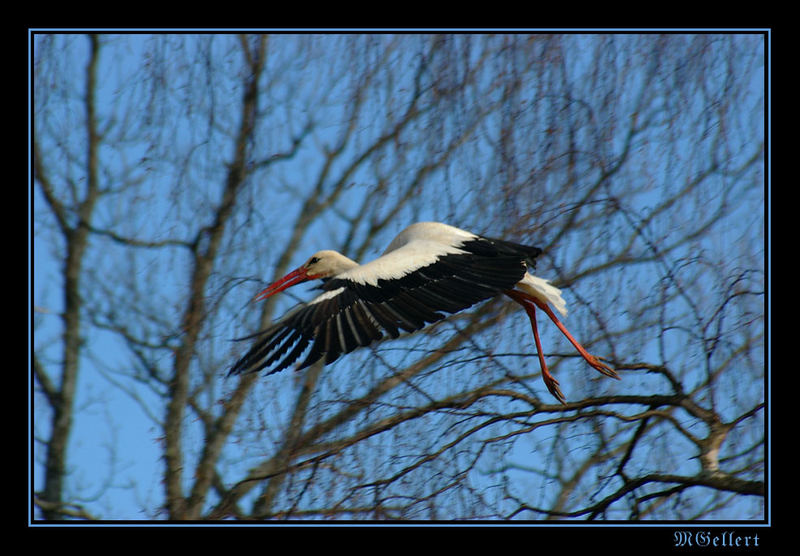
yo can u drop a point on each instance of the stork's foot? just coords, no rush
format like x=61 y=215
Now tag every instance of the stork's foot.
x=601 y=367
x=552 y=385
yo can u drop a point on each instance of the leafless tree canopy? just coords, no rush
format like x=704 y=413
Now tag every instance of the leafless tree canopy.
x=174 y=175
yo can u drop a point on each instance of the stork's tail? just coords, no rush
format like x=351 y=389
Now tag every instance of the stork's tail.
x=542 y=289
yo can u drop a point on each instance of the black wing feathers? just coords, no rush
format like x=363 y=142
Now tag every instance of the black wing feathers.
x=355 y=315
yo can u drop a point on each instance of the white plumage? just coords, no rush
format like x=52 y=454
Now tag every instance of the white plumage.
x=542 y=290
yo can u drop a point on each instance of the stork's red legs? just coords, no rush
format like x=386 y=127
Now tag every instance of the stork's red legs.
x=529 y=303
x=549 y=380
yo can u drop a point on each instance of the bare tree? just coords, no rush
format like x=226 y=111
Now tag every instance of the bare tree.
x=175 y=174
x=72 y=214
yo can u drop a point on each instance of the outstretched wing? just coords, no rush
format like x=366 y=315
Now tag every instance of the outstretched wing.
x=385 y=296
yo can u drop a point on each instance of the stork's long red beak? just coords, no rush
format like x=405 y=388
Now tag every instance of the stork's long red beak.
x=293 y=278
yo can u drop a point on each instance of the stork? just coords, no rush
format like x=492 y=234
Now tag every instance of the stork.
x=429 y=269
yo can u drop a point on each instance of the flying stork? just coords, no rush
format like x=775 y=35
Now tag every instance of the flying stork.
x=430 y=268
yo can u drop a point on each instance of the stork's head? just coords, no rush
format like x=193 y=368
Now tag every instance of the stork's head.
x=322 y=264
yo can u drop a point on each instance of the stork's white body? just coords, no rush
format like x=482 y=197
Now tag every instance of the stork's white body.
x=423 y=244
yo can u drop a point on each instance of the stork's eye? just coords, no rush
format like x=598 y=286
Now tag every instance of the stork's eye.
x=313 y=260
